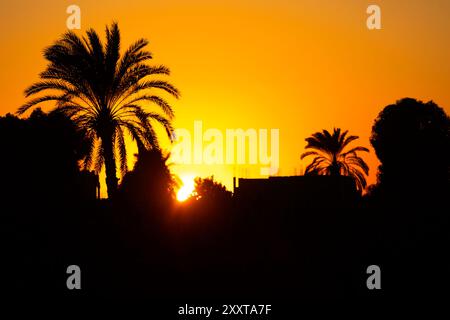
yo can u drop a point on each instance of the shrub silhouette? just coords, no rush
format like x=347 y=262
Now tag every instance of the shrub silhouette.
x=150 y=185
x=211 y=190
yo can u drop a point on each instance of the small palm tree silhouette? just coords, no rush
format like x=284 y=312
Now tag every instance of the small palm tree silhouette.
x=330 y=158
x=103 y=93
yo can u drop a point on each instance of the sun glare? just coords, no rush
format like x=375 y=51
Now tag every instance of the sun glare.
x=188 y=186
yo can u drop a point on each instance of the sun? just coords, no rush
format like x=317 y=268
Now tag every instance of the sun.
x=188 y=186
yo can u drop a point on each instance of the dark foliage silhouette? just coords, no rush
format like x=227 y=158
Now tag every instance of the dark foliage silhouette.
x=410 y=200
x=412 y=141
x=331 y=158
x=209 y=189
x=104 y=94
x=43 y=196
x=41 y=151
x=150 y=185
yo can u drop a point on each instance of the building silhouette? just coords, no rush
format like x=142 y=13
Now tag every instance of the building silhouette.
x=296 y=193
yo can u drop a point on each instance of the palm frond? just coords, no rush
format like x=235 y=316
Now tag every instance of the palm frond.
x=122 y=151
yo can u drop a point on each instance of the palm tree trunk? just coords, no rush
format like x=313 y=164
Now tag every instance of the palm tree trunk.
x=334 y=169
x=110 y=166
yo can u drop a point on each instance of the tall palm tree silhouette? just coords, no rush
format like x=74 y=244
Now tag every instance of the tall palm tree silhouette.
x=330 y=158
x=103 y=93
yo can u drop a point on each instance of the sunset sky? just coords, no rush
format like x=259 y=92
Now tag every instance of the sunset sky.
x=299 y=66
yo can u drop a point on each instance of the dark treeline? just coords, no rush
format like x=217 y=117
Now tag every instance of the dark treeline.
x=142 y=243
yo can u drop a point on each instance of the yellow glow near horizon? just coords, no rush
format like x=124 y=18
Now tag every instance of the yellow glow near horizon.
x=187 y=188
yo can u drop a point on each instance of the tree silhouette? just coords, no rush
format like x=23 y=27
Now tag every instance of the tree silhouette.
x=412 y=141
x=103 y=92
x=330 y=158
x=208 y=188
x=151 y=175
x=41 y=159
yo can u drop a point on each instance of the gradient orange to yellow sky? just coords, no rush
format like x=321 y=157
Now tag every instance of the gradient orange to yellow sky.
x=299 y=65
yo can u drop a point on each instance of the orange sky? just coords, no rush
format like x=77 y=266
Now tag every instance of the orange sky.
x=299 y=66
